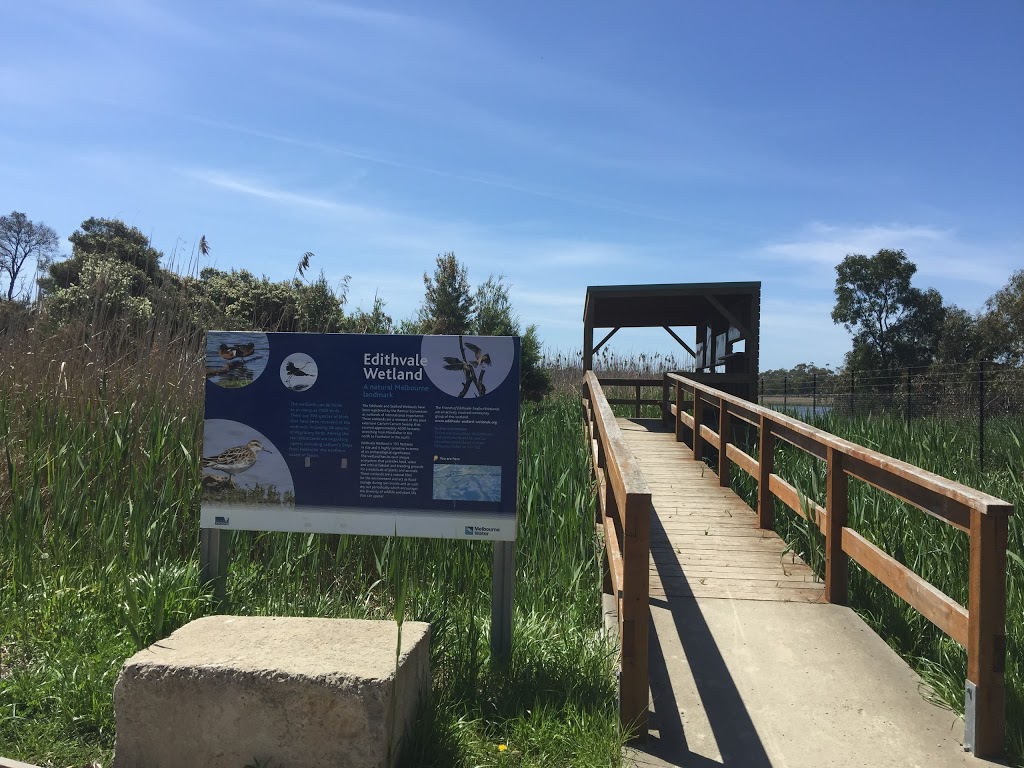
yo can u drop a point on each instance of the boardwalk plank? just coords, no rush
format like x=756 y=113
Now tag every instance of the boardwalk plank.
x=704 y=539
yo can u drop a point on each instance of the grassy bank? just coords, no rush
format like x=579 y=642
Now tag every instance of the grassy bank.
x=98 y=557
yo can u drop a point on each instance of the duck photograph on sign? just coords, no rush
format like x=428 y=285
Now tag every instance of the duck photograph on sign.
x=358 y=433
x=235 y=359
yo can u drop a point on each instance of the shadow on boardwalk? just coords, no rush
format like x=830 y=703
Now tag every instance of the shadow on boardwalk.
x=730 y=723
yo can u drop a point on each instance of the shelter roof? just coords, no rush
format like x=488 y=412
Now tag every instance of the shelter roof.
x=676 y=304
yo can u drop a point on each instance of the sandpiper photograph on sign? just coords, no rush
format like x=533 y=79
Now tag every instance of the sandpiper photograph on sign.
x=299 y=372
x=467 y=366
x=235 y=359
x=240 y=464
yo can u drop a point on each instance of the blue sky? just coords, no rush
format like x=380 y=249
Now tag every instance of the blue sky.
x=560 y=144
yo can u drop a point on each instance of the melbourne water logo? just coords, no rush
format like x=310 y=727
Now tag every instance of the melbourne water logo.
x=480 y=530
x=218 y=520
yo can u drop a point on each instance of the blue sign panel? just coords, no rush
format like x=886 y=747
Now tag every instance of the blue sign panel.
x=359 y=433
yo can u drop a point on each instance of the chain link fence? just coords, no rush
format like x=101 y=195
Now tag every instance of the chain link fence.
x=986 y=397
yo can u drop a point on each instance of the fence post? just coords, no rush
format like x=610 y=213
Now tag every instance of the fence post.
x=636 y=408
x=981 y=415
x=723 y=442
x=985 y=703
x=837 y=569
x=909 y=398
x=765 y=467
x=814 y=395
x=761 y=401
x=785 y=392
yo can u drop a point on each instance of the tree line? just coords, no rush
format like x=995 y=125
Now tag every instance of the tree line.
x=896 y=326
x=114 y=275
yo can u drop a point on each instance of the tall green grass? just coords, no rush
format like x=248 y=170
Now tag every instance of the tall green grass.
x=99 y=497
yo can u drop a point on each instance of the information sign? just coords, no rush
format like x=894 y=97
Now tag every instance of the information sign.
x=363 y=434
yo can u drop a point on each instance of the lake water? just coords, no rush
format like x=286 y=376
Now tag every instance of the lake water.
x=802 y=411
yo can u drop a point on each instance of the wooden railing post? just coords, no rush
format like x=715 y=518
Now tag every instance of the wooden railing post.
x=837 y=567
x=985 y=706
x=636 y=408
x=698 y=441
x=610 y=510
x=723 y=443
x=766 y=465
x=634 y=683
x=679 y=412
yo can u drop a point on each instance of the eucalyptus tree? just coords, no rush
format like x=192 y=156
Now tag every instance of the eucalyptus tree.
x=23 y=242
x=894 y=324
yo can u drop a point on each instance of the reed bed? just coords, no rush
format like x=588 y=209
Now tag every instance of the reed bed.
x=99 y=501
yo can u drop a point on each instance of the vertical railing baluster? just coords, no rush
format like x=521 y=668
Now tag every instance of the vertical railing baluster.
x=679 y=411
x=766 y=465
x=985 y=689
x=698 y=441
x=837 y=567
x=723 y=443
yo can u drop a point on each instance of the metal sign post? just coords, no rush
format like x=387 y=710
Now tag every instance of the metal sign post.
x=213 y=561
x=502 y=576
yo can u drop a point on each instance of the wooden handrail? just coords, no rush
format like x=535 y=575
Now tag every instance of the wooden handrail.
x=962 y=494
x=624 y=509
x=980 y=628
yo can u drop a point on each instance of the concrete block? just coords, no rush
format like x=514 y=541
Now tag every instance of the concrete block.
x=294 y=692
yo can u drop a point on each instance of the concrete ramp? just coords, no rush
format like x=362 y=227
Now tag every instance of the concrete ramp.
x=754 y=683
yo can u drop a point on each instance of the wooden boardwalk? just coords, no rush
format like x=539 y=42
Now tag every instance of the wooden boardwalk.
x=704 y=539
x=749 y=666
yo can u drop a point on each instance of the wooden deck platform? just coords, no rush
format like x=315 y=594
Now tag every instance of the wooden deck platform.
x=704 y=539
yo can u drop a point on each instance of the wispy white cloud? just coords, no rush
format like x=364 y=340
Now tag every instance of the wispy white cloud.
x=302 y=201
x=938 y=253
x=820 y=243
x=467 y=175
x=357 y=14
x=549 y=298
x=154 y=19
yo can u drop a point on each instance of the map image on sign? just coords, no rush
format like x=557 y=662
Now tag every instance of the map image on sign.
x=467 y=482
